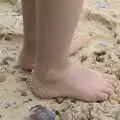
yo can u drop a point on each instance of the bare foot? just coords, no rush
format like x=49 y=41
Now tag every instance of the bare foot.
x=27 y=56
x=75 y=82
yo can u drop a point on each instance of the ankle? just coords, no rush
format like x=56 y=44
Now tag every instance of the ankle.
x=50 y=75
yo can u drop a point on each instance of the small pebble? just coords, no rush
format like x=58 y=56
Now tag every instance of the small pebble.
x=100 y=52
x=0 y=116
x=1 y=36
x=5 y=62
x=24 y=93
x=99 y=59
x=7 y=105
x=23 y=79
x=60 y=100
x=2 y=77
x=110 y=27
x=115 y=35
x=9 y=37
x=9 y=58
x=30 y=99
x=73 y=100
x=25 y=101
x=16 y=66
x=83 y=58
x=118 y=41
x=103 y=44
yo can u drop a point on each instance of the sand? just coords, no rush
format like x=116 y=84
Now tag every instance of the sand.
x=102 y=53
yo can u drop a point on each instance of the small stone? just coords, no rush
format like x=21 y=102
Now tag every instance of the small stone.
x=9 y=37
x=7 y=105
x=100 y=52
x=110 y=27
x=5 y=62
x=9 y=58
x=118 y=41
x=25 y=101
x=16 y=66
x=115 y=35
x=104 y=44
x=114 y=15
x=60 y=100
x=30 y=99
x=23 y=79
x=24 y=93
x=73 y=100
x=83 y=58
x=2 y=77
x=15 y=105
x=99 y=59
x=0 y=116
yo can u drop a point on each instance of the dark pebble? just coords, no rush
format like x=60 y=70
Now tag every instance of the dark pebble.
x=73 y=100
x=5 y=62
x=9 y=37
x=23 y=79
x=1 y=36
x=100 y=59
x=100 y=53
x=0 y=116
x=60 y=100
x=24 y=93
x=25 y=101
x=110 y=27
x=17 y=67
x=115 y=35
x=118 y=41
x=30 y=99
x=83 y=58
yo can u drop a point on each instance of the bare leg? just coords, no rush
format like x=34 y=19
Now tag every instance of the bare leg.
x=28 y=51
x=54 y=74
x=27 y=54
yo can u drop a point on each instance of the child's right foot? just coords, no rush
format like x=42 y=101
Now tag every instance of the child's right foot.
x=74 y=82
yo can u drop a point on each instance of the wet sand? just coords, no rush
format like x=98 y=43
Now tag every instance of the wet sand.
x=101 y=25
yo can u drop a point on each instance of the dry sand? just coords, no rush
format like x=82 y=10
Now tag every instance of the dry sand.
x=102 y=54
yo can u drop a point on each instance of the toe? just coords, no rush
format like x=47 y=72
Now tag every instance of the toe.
x=107 y=91
x=111 y=80
x=109 y=85
x=113 y=83
x=102 y=96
